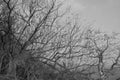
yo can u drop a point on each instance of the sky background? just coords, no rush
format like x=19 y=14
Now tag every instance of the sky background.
x=105 y=14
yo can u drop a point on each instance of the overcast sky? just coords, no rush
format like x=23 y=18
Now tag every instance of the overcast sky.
x=104 y=13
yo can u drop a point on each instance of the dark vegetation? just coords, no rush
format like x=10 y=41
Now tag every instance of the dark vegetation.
x=38 y=43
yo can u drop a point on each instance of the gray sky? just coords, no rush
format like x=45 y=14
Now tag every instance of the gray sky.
x=104 y=13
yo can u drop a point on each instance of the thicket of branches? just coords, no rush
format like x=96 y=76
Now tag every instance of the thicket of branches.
x=38 y=43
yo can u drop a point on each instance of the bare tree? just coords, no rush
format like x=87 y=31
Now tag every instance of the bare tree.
x=101 y=47
x=36 y=40
x=30 y=35
x=27 y=31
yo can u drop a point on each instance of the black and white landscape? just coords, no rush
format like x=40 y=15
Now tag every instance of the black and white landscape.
x=59 y=40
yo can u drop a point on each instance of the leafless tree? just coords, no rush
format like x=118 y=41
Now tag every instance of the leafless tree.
x=37 y=41
x=100 y=46
x=31 y=34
